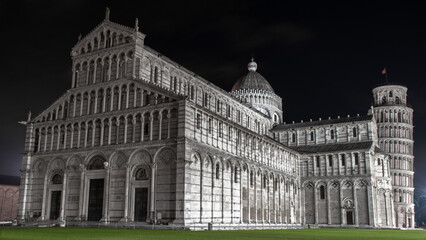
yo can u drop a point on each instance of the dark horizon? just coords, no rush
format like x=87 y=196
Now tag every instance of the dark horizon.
x=323 y=60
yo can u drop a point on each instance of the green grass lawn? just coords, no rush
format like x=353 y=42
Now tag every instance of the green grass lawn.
x=110 y=234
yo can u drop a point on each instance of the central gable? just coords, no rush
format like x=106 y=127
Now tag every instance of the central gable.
x=107 y=34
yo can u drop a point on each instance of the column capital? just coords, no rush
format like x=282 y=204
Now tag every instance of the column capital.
x=82 y=167
x=107 y=165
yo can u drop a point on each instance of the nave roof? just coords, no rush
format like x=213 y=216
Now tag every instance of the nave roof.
x=338 y=147
x=287 y=126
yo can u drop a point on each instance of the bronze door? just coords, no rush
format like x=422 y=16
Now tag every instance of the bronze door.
x=96 y=197
x=141 y=204
x=349 y=218
x=55 y=205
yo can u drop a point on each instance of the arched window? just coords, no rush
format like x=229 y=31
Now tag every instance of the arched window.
x=57 y=179
x=293 y=137
x=192 y=90
x=220 y=131
x=171 y=84
x=175 y=83
x=217 y=171
x=312 y=136
x=397 y=101
x=236 y=175
x=390 y=94
x=141 y=174
x=65 y=115
x=108 y=39
x=122 y=67
x=251 y=178
x=275 y=184
x=96 y=163
x=332 y=134
x=155 y=75
x=104 y=70
x=218 y=105
x=206 y=99
x=76 y=79
x=95 y=44
x=91 y=74
x=384 y=100
x=265 y=179
x=210 y=125
x=146 y=129
x=399 y=117
x=322 y=192
x=198 y=121
x=36 y=140
x=354 y=133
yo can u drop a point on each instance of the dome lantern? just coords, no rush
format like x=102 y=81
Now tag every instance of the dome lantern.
x=252 y=66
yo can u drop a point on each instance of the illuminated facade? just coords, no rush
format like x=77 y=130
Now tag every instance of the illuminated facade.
x=138 y=139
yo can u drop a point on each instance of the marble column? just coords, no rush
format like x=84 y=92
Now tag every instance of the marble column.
x=101 y=141
x=105 y=217
x=160 y=125
x=153 y=191
x=45 y=198
x=119 y=97
x=355 y=203
x=81 y=214
x=64 y=195
x=65 y=138
x=126 y=195
x=169 y=118
x=142 y=126
x=126 y=125
x=95 y=108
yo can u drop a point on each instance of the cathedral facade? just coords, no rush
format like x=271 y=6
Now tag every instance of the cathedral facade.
x=139 y=139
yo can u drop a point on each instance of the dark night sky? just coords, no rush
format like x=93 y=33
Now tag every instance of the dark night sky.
x=322 y=59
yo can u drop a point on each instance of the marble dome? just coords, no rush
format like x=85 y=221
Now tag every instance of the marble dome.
x=252 y=80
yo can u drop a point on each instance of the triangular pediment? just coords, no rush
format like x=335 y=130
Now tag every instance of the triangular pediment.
x=105 y=31
x=59 y=103
x=55 y=110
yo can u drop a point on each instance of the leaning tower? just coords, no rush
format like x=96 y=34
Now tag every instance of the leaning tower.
x=394 y=118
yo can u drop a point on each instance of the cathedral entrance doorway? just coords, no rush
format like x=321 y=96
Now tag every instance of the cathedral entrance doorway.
x=349 y=218
x=141 y=204
x=96 y=197
x=55 y=205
